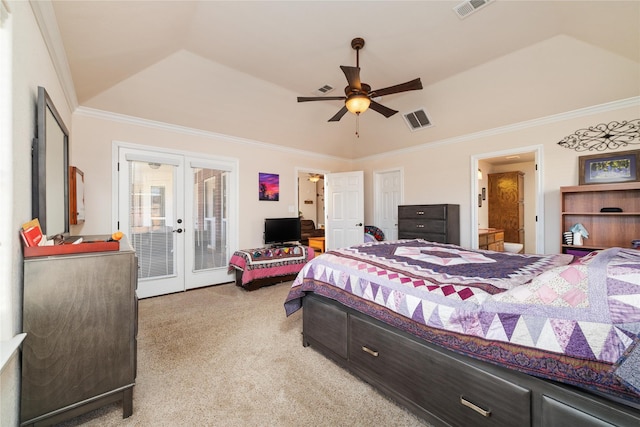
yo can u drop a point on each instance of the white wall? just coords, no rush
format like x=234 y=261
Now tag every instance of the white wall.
x=91 y=144
x=440 y=172
x=31 y=67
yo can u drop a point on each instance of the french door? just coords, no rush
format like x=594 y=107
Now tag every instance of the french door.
x=177 y=211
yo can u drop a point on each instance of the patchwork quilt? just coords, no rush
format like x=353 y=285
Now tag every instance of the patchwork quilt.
x=574 y=321
x=269 y=262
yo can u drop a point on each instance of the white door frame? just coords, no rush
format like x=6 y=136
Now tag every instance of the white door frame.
x=538 y=151
x=296 y=172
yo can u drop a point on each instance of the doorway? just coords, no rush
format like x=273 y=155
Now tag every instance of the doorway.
x=527 y=158
x=310 y=185
x=177 y=211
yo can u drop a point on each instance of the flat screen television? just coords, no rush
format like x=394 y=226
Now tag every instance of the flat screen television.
x=278 y=231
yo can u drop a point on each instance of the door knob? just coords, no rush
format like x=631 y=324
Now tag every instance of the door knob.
x=179 y=230
x=359 y=224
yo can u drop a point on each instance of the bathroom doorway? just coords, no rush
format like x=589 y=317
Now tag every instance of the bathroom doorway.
x=527 y=160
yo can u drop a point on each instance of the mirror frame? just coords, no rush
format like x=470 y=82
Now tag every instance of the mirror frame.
x=40 y=175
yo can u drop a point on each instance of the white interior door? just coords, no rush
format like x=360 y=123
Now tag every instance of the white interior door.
x=176 y=211
x=387 y=194
x=344 y=196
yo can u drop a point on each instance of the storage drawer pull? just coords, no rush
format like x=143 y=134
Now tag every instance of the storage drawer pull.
x=420 y=226
x=475 y=407
x=368 y=350
x=420 y=213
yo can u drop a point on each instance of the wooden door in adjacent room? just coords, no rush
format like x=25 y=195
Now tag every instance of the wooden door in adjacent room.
x=506 y=204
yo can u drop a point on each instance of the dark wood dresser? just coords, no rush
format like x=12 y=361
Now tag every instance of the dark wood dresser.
x=435 y=223
x=80 y=316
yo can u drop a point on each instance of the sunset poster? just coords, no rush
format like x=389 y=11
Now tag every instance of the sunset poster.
x=268 y=186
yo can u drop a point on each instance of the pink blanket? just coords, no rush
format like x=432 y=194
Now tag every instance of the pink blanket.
x=270 y=262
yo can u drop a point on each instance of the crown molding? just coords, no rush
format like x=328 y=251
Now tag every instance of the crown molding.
x=587 y=111
x=136 y=121
x=46 y=19
x=122 y=118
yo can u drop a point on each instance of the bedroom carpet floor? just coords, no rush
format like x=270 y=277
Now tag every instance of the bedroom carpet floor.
x=222 y=356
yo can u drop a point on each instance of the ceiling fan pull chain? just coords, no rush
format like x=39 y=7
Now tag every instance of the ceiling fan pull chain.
x=358 y=125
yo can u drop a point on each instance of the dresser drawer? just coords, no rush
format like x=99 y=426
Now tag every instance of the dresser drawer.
x=423 y=211
x=458 y=394
x=421 y=226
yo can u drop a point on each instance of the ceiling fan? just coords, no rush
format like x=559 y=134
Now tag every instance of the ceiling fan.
x=359 y=96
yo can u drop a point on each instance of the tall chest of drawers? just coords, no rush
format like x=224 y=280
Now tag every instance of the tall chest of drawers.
x=436 y=223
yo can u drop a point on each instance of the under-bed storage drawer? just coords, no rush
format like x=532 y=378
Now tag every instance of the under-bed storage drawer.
x=457 y=394
x=325 y=324
x=558 y=414
x=391 y=361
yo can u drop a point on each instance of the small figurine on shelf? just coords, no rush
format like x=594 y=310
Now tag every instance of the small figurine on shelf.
x=579 y=232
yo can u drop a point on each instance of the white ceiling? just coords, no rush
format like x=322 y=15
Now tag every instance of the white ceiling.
x=236 y=67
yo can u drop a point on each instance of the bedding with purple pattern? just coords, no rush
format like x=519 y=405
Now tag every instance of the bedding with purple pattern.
x=573 y=321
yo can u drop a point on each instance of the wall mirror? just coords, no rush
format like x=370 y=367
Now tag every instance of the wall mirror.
x=50 y=169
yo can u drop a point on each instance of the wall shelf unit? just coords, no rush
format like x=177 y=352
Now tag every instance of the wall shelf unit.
x=582 y=204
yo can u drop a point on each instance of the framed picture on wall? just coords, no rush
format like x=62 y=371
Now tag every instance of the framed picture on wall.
x=609 y=168
x=268 y=186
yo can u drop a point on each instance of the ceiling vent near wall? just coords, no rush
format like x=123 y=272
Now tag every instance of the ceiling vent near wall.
x=417 y=120
x=466 y=8
x=323 y=90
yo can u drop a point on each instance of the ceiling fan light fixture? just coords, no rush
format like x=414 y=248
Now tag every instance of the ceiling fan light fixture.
x=357 y=103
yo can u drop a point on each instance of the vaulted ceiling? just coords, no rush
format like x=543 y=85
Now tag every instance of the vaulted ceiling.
x=236 y=67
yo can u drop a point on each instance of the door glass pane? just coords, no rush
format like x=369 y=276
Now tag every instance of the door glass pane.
x=210 y=218
x=152 y=217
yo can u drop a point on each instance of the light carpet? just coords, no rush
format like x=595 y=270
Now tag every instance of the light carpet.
x=222 y=356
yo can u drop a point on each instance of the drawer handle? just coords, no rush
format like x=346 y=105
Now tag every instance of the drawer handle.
x=475 y=407
x=420 y=213
x=420 y=226
x=368 y=350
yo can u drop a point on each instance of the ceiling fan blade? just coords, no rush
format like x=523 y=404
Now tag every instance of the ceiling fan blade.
x=339 y=114
x=321 y=98
x=385 y=111
x=353 y=76
x=415 y=84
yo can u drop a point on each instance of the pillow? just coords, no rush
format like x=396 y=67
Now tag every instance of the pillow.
x=369 y=238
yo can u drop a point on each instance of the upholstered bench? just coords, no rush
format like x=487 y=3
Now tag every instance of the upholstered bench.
x=255 y=268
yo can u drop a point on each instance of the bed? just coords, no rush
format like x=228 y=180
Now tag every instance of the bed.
x=475 y=337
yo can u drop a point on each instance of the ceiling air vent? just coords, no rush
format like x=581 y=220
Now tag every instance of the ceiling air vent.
x=323 y=90
x=417 y=120
x=466 y=8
